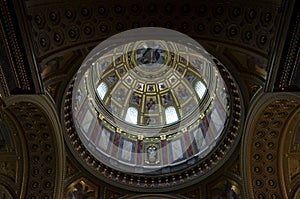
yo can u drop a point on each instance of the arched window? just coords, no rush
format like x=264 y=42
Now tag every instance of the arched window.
x=132 y=115
x=171 y=115
x=200 y=89
x=102 y=90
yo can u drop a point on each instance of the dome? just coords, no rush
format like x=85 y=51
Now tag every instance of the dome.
x=149 y=101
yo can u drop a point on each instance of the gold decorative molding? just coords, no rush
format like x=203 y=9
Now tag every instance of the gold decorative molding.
x=15 y=54
x=4 y=90
x=81 y=188
x=43 y=141
x=261 y=144
x=171 y=181
x=291 y=59
x=289 y=155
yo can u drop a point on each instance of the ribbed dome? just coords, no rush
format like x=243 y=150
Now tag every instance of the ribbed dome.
x=149 y=99
x=152 y=82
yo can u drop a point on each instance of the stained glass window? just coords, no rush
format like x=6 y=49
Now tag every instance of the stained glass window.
x=200 y=89
x=131 y=115
x=171 y=115
x=102 y=90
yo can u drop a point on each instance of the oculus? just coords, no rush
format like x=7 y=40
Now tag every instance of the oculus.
x=150 y=55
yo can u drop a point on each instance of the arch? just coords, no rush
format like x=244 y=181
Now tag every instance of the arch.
x=263 y=134
x=43 y=120
x=6 y=193
x=289 y=155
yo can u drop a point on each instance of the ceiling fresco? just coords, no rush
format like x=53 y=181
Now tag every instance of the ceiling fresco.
x=153 y=103
x=85 y=113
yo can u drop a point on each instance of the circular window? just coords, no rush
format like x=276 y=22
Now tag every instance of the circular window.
x=151 y=101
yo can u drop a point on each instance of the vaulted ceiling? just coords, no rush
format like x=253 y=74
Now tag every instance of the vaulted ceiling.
x=43 y=44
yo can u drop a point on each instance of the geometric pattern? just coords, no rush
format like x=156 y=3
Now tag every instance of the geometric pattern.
x=145 y=149
x=139 y=125
x=262 y=170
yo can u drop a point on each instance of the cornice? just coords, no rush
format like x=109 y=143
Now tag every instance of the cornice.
x=22 y=80
x=284 y=60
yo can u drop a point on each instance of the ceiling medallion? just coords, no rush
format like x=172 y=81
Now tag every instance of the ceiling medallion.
x=150 y=102
x=150 y=55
